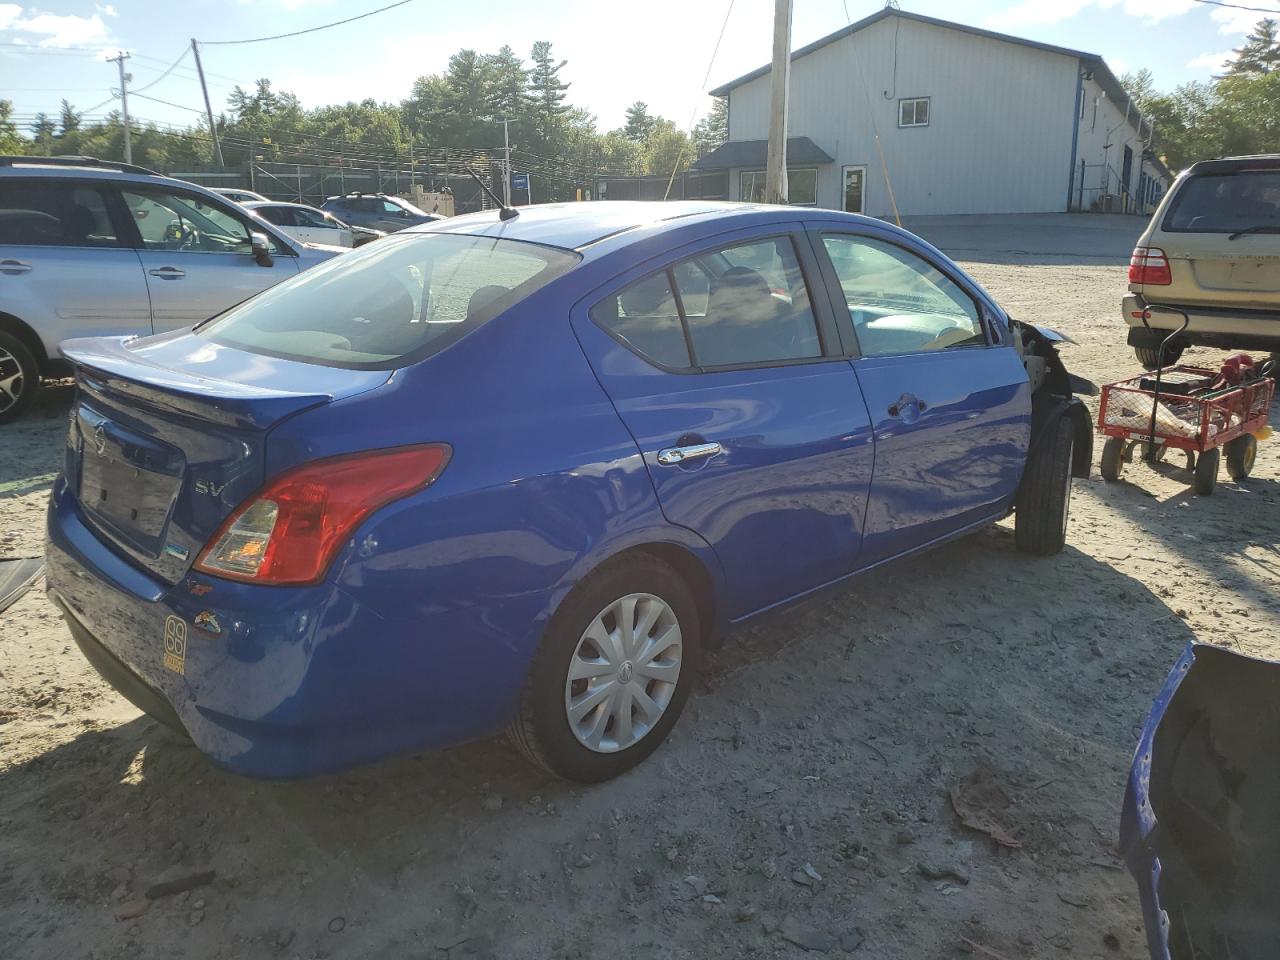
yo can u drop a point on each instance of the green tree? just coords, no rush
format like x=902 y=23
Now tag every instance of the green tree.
x=69 y=120
x=713 y=129
x=10 y=140
x=639 y=123
x=42 y=131
x=547 y=92
x=1260 y=52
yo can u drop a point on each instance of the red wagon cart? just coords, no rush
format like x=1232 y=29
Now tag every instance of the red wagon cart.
x=1194 y=409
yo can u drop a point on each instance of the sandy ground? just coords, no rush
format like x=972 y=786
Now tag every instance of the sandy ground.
x=803 y=798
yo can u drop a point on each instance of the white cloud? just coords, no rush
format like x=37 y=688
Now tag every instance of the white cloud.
x=1055 y=11
x=54 y=30
x=1235 y=21
x=107 y=10
x=1212 y=61
x=1118 y=65
x=9 y=12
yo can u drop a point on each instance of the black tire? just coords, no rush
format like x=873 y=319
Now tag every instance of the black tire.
x=1112 y=458
x=541 y=729
x=19 y=377
x=1241 y=454
x=1149 y=357
x=1206 y=475
x=1044 y=498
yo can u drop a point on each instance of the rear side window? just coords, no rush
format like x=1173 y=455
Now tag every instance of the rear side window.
x=280 y=216
x=1226 y=203
x=389 y=304
x=53 y=214
x=738 y=306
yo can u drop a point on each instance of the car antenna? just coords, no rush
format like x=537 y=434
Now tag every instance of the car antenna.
x=504 y=212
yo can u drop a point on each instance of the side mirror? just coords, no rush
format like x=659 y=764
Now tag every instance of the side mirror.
x=261 y=249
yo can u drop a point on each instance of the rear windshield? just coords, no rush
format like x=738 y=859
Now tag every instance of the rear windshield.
x=389 y=303
x=1225 y=203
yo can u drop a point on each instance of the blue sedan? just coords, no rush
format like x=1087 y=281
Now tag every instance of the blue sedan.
x=515 y=473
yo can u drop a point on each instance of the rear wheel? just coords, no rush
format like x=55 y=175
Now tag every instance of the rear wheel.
x=1241 y=454
x=613 y=673
x=1206 y=471
x=19 y=377
x=1112 y=458
x=1044 y=499
x=1149 y=357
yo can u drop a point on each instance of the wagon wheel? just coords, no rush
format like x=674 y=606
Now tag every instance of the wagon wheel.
x=1242 y=452
x=1112 y=458
x=1206 y=475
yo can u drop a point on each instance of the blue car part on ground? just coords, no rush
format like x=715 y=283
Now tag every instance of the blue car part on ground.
x=758 y=452
x=1198 y=827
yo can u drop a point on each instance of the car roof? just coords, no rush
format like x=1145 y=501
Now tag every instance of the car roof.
x=254 y=204
x=580 y=224
x=1261 y=161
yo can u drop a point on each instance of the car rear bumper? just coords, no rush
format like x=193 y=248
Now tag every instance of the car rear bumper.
x=272 y=682
x=1208 y=326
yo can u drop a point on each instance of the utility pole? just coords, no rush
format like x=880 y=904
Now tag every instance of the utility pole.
x=208 y=110
x=119 y=60
x=506 y=179
x=775 y=178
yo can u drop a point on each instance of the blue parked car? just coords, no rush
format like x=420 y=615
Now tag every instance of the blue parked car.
x=491 y=474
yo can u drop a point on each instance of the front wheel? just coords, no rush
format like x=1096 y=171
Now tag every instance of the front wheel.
x=1206 y=471
x=613 y=673
x=19 y=377
x=1044 y=499
x=1112 y=458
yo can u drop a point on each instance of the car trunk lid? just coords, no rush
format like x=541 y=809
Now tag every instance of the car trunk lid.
x=168 y=435
x=1210 y=269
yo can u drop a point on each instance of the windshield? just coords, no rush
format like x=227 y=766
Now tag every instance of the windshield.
x=390 y=303
x=1226 y=203
x=405 y=204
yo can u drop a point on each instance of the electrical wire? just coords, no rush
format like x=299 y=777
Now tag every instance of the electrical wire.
x=298 y=33
x=1236 y=6
x=173 y=66
x=694 y=115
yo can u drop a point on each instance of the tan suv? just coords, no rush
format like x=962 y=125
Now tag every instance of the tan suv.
x=1211 y=253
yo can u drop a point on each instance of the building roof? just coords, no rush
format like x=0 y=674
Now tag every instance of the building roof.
x=1102 y=73
x=752 y=153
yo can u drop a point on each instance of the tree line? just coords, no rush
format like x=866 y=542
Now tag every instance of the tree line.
x=460 y=109
x=1236 y=113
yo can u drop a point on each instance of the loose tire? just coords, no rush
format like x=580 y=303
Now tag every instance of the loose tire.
x=1149 y=357
x=19 y=377
x=1241 y=454
x=1112 y=458
x=1206 y=474
x=1044 y=499
x=601 y=695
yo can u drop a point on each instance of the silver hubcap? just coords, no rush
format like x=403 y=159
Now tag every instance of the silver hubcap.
x=10 y=380
x=623 y=673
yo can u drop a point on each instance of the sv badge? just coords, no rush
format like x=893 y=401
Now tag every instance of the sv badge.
x=211 y=488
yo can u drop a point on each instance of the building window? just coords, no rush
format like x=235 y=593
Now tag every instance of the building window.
x=802 y=186
x=913 y=112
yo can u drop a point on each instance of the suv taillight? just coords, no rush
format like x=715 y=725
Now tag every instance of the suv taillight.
x=1149 y=265
x=290 y=531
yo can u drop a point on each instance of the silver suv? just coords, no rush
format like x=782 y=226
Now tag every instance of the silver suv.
x=92 y=248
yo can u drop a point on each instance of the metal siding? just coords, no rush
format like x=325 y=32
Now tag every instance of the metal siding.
x=1110 y=127
x=999 y=134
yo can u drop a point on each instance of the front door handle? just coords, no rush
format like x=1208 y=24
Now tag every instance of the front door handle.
x=168 y=273
x=14 y=267
x=904 y=404
x=671 y=456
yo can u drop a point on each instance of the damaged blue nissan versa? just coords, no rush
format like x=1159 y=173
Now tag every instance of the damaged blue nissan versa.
x=512 y=470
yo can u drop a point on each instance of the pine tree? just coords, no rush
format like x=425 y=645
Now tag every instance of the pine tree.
x=713 y=129
x=70 y=119
x=1260 y=53
x=547 y=93
x=10 y=140
x=639 y=122
x=42 y=130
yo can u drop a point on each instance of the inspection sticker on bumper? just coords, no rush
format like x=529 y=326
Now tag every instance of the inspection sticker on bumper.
x=175 y=645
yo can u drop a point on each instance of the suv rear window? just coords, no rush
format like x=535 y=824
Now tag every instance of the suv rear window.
x=390 y=303
x=1226 y=203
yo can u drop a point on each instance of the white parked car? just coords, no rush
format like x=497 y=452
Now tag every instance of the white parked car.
x=238 y=195
x=311 y=225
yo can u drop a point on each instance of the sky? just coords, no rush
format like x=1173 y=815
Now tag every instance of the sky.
x=659 y=51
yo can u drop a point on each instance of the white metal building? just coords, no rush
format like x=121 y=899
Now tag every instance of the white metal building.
x=969 y=121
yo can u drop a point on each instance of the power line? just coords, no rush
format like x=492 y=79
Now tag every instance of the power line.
x=26 y=48
x=298 y=33
x=1236 y=6
x=173 y=66
x=693 y=116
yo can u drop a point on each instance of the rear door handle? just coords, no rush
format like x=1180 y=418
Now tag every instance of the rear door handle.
x=168 y=273
x=671 y=456
x=14 y=267
x=904 y=402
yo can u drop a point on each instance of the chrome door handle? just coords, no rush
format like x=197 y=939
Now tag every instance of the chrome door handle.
x=694 y=451
x=168 y=273
x=14 y=267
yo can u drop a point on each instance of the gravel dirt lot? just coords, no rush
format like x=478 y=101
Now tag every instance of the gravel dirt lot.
x=803 y=802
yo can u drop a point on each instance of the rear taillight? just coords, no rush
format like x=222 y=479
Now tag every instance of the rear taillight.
x=1149 y=265
x=289 y=532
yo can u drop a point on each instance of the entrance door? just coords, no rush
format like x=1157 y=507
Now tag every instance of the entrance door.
x=855 y=184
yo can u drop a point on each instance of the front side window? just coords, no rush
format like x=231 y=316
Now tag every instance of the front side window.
x=52 y=214
x=899 y=302
x=802 y=186
x=913 y=112
x=310 y=218
x=1226 y=203
x=740 y=305
x=280 y=216
x=389 y=304
x=168 y=220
